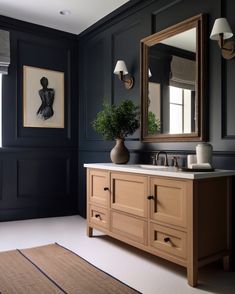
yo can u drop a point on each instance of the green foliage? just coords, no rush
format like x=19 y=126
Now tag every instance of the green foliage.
x=154 y=124
x=115 y=121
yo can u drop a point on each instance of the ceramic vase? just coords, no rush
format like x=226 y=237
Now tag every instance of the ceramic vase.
x=204 y=153
x=120 y=154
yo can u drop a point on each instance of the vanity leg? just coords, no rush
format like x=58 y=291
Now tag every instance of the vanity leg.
x=192 y=276
x=192 y=254
x=89 y=231
x=226 y=263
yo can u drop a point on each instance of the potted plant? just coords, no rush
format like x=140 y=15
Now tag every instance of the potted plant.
x=116 y=122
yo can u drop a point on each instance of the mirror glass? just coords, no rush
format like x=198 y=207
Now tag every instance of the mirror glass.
x=172 y=84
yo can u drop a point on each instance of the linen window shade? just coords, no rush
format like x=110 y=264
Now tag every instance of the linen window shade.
x=183 y=73
x=4 y=51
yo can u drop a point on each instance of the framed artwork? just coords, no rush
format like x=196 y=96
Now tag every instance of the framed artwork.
x=43 y=98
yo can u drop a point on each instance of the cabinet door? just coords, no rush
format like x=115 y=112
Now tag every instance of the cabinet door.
x=98 y=187
x=168 y=203
x=129 y=193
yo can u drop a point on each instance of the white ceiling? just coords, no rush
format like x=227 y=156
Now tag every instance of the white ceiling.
x=84 y=13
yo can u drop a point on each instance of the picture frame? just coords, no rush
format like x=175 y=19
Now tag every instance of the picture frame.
x=43 y=98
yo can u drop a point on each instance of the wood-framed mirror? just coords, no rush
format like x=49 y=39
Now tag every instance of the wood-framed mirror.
x=173 y=83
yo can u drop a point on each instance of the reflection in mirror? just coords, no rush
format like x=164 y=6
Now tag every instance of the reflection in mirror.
x=172 y=64
x=171 y=83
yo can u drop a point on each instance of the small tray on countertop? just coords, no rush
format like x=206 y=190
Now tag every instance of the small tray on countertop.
x=186 y=169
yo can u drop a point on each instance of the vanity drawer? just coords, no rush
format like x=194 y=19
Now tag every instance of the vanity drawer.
x=99 y=216
x=168 y=240
x=129 y=227
x=98 y=187
x=168 y=204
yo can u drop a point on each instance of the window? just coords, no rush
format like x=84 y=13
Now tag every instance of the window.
x=180 y=110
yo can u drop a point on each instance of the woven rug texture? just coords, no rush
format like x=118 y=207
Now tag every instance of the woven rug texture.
x=53 y=269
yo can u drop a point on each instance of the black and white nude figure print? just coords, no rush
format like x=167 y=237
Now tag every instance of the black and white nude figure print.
x=47 y=96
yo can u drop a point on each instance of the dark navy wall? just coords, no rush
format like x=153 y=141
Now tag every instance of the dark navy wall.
x=38 y=167
x=119 y=38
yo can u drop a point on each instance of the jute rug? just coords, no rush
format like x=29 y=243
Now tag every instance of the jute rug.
x=53 y=269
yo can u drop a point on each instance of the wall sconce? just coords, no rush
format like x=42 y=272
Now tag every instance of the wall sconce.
x=122 y=72
x=220 y=32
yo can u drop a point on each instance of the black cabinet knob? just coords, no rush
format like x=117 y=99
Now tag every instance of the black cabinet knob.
x=167 y=239
x=98 y=216
x=150 y=197
x=106 y=188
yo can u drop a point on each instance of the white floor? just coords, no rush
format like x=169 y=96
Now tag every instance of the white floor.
x=142 y=271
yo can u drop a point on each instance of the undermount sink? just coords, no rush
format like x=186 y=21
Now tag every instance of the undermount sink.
x=158 y=167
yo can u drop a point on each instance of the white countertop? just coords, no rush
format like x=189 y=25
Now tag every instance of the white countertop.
x=167 y=172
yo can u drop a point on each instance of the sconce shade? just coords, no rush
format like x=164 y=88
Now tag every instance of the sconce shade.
x=120 y=66
x=149 y=73
x=221 y=26
x=122 y=72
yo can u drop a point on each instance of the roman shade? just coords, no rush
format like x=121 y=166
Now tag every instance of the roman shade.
x=183 y=73
x=4 y=51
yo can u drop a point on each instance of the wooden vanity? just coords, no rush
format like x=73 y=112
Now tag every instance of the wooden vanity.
x=183 y=217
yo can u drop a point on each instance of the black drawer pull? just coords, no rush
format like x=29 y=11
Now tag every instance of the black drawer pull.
x=106 y=188
x=167 y=239
x=98 y=216
x=150 y=197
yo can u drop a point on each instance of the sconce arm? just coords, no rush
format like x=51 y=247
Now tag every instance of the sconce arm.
x=221 y=40
x=127 y=79
x=228 y=49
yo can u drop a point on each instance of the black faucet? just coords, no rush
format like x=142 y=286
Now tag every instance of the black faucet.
x=166 y=159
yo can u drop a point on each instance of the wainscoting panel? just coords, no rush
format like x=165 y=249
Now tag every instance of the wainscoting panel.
x=162 y=5
x=47 y=52
x=38 y=183
x=125 y=41
x=43 y=178
x=52 y=58
x=94 y=65
x=99 y=54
